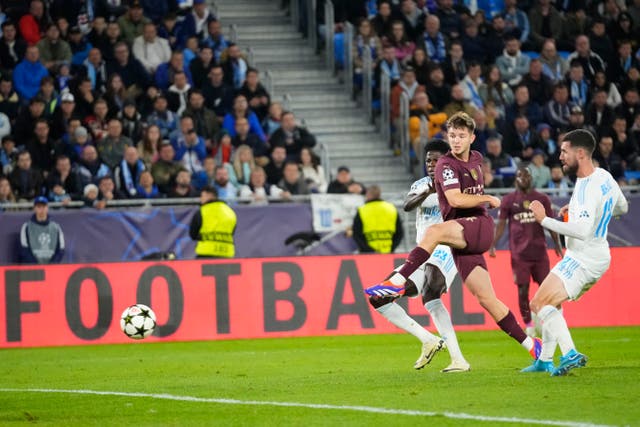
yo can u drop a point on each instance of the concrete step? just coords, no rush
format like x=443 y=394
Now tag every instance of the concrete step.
x=342 y=130
x=334 y=120
x=347 y=150
x=246 y=20
x=294 y=81
x=269 y=38
x=250 y=13
x=267 y=27
x=365 y=137
x=275 y=64
x=340 y=111
x=339 y=107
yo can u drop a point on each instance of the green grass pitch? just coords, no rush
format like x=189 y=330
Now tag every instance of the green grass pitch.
x=350 y=379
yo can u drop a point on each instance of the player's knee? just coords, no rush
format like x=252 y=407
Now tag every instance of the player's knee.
x=535 y=305
x=377 y=302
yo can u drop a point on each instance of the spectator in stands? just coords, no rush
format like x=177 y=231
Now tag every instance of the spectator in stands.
x=223 y=149
x=41 y=147
x=292 y=137
x=522 y=140
x=455 y=66
x=494 y=38
x=421 y=65
x=243 y=137
x=623 y=29
x=84 y=98
x=201 y=66
x=558 y=109
x=620 y=65
x=79 y=45
x=165 y=119
x=32 y=24
x=78 y=139
x=438 y=89
x=48 y=95
x=600 y=42
x=388 y=64
x=516 y=21
x=403 y=46
x=546 y=23
x=53 y=50
x=234 y=66
x=483 y=131
x=131 y=71
x=559 y=182
x=578 y=87
x=365 y=38
x=599 y=115
x=90 y=168
x=150 y=49
x=548 y=144
x=217 y=94
x=28 y=73
x=26 y=121
x=127 y=172
x=630 y=106
x=61 y=116
x=344 y=183
x=473 y=43
x=166 y=72
x=190 y=148
x=258 y=190
x=165 y=169
x=111 y=147
x=591 y=62
x=90 y=195
x=172 y=30
x=412 y=18
x=12 y=47
x=63 y=184
x=292 y=182
x=8 y=154
x=512 y=63
x=576 y=119
x=471 y=83
x=241 y=109
x=156 y=9
x=215 y=39
x=6 y=193
x=523 y=105
x=494 y=90
x=450 y=20
x=432 y=41
x=625 y=144
x=276 y=164
x=490 y=179
x=9 y=100
x=553 y=65
x=178 y=93
x=98 y=123
x=382 y=21
x=540 y=85
x=273 y=119
x=240 y=167
x=312 y=171
x=205 y=120
x=131 y=120
x=196 y=22
x=206 y=176
x=26 y=181
x=458 y=102
x=503 y=166
x=540 y=173
x=107 y=192
x=112 y=37
x=608 y=159
x=222 y=183
x=132 y=22
x=41 y=239
x=148 y=145
x=422 y=110
x=256 y=94
x=146 y=189
x=407 y=85
x=182 y=187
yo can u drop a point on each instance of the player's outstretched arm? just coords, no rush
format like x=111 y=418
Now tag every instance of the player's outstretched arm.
x=578 y=229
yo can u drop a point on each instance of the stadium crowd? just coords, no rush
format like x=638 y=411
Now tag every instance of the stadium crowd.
x=526 y=71
x=102 y=100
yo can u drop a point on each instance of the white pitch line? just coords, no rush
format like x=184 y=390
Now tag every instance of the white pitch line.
x=370 y=409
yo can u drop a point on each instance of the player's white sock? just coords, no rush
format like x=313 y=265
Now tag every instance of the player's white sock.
x=397 y=279
x=396 y=315
x=555 y=326
x=442 y=321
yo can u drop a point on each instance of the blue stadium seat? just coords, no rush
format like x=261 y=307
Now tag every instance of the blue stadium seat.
x=531 y=54
x=564 y=54
x=632 y=175
x=338 y=50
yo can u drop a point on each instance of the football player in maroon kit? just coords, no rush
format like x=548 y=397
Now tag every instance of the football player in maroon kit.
x=527 y=241
x=467 y=229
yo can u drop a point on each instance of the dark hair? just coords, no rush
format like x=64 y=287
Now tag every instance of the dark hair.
x=210 y=189
x=437 y=144
x=581 y=138
x=7 y=23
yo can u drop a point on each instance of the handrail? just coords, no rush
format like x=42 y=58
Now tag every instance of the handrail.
x=312 y=24
x=329 y=35
x=385 y=105
x=267 y=80
x=250 y=56
x=347 y=40
x=325 y=159
x=233 y=33
x=294 y=12
x=403 y=131
x=367 y=84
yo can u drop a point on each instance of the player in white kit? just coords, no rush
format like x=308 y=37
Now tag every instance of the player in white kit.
x=431 y=279
x=595 y=200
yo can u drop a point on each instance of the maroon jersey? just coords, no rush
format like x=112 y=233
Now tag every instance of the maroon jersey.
x=526 y=237
x=452 y=173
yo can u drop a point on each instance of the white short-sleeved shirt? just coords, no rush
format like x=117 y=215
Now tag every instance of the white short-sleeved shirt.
x=428 y=212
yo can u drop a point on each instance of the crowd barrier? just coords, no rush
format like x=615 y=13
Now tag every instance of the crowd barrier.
x=76 y=304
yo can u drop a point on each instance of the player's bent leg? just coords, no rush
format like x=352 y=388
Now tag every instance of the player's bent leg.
x=525 y=311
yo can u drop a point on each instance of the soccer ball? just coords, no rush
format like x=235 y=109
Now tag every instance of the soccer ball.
x=138 y=321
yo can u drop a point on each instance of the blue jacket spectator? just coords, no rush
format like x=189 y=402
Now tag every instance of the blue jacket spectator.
x=165 y=71
x=28 y=73
x=172 y=30
x=229 y=124
x=190 y=148
x=195 y=22
x=162 y=117
x=215 y=39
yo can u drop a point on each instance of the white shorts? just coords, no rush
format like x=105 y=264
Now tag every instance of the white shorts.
x=576 y=278
x=443 y=260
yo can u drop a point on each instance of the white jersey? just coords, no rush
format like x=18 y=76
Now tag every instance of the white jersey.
x=428 y=212
x=595 y=200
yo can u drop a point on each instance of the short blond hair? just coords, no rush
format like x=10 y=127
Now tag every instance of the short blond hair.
x=461 y=120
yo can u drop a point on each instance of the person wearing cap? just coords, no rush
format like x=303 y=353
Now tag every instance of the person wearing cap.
x=213 y=226
x=62 y=115
x=41 y=240
x=576 y=119
x=79 y=45
x=344 y=183
x=132 y=22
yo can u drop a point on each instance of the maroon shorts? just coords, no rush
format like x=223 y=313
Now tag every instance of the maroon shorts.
x=478 y=233
x=524 y=270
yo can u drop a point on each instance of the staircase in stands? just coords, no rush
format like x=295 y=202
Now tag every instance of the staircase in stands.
x=313 y=93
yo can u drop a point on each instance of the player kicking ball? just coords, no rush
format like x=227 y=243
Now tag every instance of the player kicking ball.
x=467 y=229
x=431 y=279
x=595 y=200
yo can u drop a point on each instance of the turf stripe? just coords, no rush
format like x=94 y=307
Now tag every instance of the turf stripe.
x=370 y=409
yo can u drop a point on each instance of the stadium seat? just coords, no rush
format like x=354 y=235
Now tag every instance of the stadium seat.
x=531 y=54
x=338 y=50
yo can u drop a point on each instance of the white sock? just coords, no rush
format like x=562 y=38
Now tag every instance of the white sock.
x=397 y=279
x=396 y=315
x=555 y=326
x=442 y=321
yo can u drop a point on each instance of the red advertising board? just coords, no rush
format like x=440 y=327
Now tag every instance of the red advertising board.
x=249 y=298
